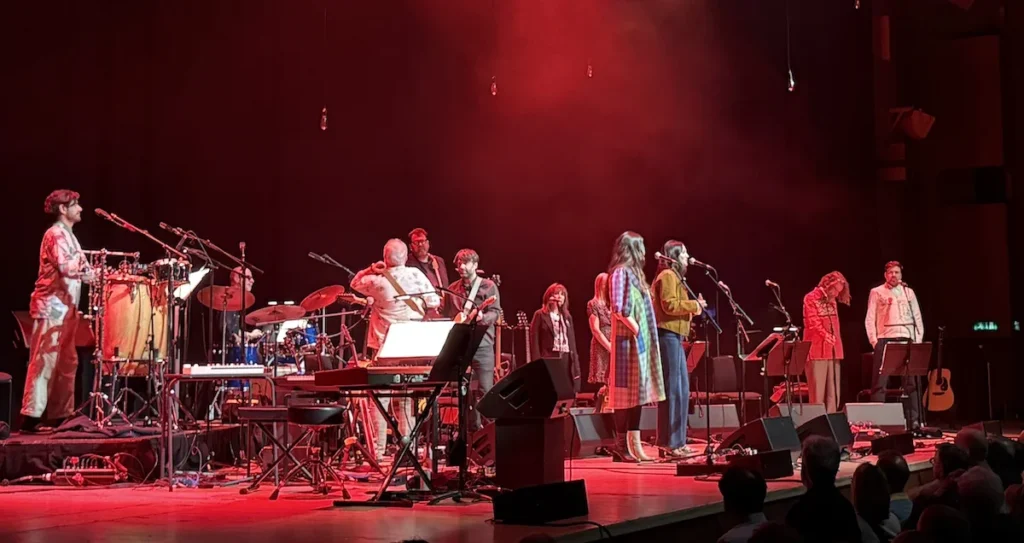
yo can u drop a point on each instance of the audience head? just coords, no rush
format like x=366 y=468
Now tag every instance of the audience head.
x=775 y=532
x=896 y=471
x=743 y=491
x=943 y=523
x=973 y=441
x=870 y=493
x=949 y=458
x=981 y=494
x=1002 y=461
x=820 y=462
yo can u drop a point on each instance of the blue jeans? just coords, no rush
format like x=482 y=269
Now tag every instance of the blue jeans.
x=672 y=412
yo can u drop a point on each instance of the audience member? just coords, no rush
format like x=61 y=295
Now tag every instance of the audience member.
x=897 y=473
x=870 y=493
x=973 y=441
x=912 y=536
x=743 y=493
x=822 y=514
x=982 y=501
x=948 y=463
x=944 y=524
x=1002 y=462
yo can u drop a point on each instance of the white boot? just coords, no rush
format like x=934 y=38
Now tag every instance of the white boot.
x=636 y=447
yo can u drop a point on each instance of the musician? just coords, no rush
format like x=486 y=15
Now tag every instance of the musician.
x=233 y=318
x=821 y=329
x=384 y=281
x=432 y=266
x=553 y=335
x=673 y=310
x=893 y=316
x=599 y=317
x=634 y=376
x=468 y=292
x=50 y=382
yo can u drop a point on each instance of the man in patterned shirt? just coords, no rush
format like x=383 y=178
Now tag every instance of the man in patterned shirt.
x=383 y=281
x=50 y=382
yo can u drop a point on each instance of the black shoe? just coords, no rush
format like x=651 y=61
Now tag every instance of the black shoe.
x=29 y=424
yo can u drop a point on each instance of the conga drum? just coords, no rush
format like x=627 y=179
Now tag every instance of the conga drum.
x=127 y=320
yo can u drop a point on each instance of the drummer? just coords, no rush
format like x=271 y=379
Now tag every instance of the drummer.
x=232 y=319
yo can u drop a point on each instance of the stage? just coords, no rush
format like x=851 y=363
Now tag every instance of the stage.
x=634 y=502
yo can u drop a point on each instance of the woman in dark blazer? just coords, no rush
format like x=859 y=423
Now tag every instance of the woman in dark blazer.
x=552 y=334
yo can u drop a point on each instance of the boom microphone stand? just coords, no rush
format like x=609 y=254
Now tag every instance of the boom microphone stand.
x=709 y=449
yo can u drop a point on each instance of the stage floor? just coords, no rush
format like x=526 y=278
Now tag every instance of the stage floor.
x=623 y=498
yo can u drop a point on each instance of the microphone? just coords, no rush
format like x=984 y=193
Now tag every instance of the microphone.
x=316 y=257
x=104 y=214
x=660 y=256
x=724 y=286
x=193 y=252
x=174 y=230
x=904 y=284
x=770 y=283
x=695 y=262
x=241 y=246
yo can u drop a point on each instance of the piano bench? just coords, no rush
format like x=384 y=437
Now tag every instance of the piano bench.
x=262 y=414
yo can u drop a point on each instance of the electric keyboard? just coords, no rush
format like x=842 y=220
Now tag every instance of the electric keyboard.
x=226 y=370
x=383 y=375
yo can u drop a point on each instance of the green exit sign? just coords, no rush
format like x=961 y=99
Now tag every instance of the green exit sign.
x=985 y=326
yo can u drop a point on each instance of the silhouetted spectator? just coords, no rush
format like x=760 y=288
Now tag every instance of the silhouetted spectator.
x=743 y=493
x=913 y=536
x=870 y=493
x=973 y=441
x=982 y=501
x=897 y=473
x=1002 y=462
x=944 y=524
x=822 y=514
x=948 y=463
x=775 y=532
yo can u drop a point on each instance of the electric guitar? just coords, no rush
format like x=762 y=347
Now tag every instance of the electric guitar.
x=524 y=324
x=939 y=396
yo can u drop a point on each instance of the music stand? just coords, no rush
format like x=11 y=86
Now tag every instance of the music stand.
x=407 y=343
x=911 y=360
x=787 y=359
x=694 y=353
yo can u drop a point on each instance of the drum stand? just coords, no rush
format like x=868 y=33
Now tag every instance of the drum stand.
x=97 y=401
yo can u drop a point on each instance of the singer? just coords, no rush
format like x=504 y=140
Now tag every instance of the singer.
x=821 y=329
x=470 y=291
x=634 y=375
x=50 y=382
x=673 y=310
x=893 y=316
x=384 y=281
x=553 y=335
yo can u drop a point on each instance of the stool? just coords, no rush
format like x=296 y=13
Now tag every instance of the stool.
x=316 y=420
x=5 y=379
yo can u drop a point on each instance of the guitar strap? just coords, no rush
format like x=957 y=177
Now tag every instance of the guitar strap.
x=468 y=306
x=401 y=292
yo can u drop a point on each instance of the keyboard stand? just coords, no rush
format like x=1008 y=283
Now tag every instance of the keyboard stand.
x=383 y=497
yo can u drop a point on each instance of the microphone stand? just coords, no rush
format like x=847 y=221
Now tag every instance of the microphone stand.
x=741 y=335
x=709 y=449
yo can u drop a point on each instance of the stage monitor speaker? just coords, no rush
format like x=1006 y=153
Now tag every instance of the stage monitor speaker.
x=536 y=505
x=833 y=426
x=586 y=431
x=649 y=423
x=886 y=416
x=770 y=464
x=538 y=390
x=766 y=434
x=481 y=446
x=724 y=420
x=902 y=443
x=800 y=413
x=529 y=452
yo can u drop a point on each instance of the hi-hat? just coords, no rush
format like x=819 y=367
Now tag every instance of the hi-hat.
x=225 y=298
x=274 y=313
x=322 y=298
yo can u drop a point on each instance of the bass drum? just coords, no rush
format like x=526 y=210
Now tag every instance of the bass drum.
x=134 y=308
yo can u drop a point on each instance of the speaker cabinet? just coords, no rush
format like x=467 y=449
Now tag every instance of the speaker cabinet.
x=538 y=390
x=536 y=505
x=724 y=420
x=529 y=452
x=586 y=430
x=887 y=416
x=770 y=464
x=902 y=443
x=481 y=446
x=800 y=413
x=833 y=426
x=766 y=434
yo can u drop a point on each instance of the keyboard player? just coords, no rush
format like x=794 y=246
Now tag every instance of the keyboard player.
x=384 y=281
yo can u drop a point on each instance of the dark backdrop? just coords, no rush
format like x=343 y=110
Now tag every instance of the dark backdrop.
x=205 y=115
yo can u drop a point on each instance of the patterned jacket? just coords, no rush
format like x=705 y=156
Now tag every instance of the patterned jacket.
x=821 y=320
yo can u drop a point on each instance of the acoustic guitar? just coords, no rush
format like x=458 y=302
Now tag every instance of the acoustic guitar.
x=939 y=396
x=464 y=317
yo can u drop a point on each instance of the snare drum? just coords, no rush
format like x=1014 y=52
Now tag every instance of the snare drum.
x=170 y=269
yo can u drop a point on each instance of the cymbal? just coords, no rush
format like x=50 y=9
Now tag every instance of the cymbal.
x=322 y=298
x=274 y=313
x=225 y=298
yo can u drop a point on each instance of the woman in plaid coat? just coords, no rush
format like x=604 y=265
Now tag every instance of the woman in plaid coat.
x=634 y=375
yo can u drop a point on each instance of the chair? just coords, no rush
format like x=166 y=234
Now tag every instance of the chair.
x=5 y=379
x=316 y=421
x=724 y=383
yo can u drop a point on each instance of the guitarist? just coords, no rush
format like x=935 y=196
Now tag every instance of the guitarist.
x=383 y=281
x=894 y=316
x=472 y=287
